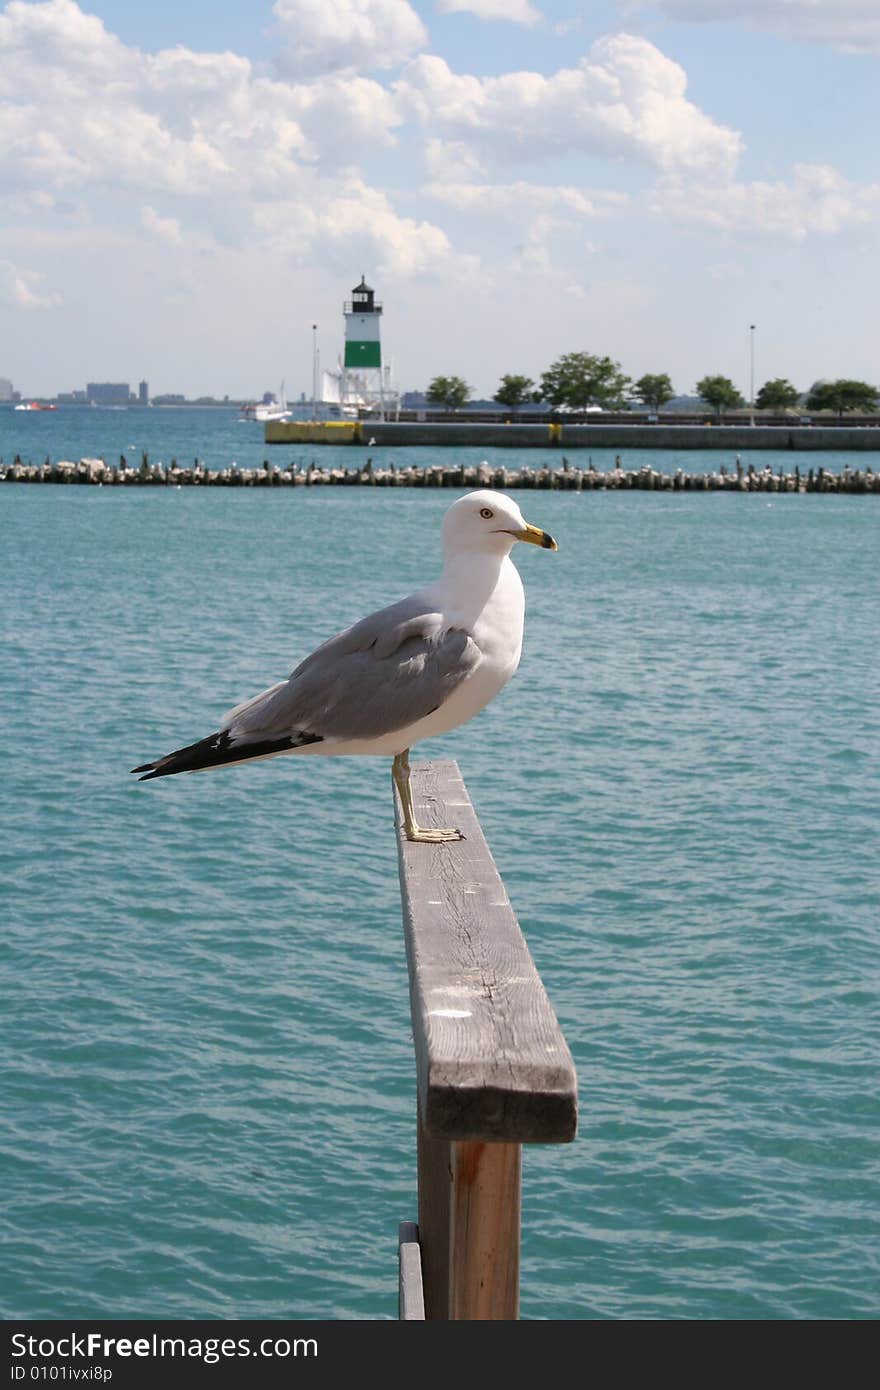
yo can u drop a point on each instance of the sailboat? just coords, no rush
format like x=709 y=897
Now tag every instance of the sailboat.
x=275 y=409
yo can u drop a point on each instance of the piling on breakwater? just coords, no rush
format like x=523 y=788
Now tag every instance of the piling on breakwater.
x=96 y=472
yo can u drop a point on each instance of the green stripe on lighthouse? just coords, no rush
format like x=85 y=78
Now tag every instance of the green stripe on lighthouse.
x=361 y=354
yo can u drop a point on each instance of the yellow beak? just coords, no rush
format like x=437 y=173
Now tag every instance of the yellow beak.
x=533 y=535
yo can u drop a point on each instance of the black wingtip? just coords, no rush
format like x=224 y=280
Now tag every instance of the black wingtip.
x=218 y=749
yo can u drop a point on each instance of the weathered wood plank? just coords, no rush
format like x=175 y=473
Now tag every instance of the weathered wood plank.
x=410 y=1298
x=491 y=1060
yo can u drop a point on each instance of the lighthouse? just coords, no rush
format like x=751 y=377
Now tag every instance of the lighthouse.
x=361 y=383
x=362 y=314
x=366 y=381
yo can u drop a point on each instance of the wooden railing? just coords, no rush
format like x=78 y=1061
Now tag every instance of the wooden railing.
x=493 y=1069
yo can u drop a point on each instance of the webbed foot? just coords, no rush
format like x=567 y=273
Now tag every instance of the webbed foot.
x=433 y=836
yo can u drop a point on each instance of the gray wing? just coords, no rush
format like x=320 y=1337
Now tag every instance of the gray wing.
x=383 y=674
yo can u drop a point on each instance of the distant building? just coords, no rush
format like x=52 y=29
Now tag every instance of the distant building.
x=108 y=392
x=7 y=391
x=144 y=393
x=72 y=398
x=169 y=399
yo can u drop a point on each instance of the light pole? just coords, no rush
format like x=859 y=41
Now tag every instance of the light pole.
x=752 y=372
x=314 y=371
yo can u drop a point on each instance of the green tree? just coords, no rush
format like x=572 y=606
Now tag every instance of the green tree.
x=843 y=395
x=514 y=391
x=654 y=391
x=580 y=379
x=720 y=393
x=778 y=394
x=448 y=391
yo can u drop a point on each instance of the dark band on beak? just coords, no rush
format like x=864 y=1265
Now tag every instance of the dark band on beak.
x=535 y=536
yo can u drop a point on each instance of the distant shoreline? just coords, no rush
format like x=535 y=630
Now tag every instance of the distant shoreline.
x=542 y=420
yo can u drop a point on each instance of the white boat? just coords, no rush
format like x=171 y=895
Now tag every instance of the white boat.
x=275 y=409
x=34 y=405
x=259 y=410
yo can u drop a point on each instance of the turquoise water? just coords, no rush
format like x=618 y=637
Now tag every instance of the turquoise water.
x=207 y=1069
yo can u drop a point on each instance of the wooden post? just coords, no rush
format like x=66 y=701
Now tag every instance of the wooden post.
x=493 y=1069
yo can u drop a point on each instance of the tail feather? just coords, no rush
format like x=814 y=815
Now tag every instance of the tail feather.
x=217 y=750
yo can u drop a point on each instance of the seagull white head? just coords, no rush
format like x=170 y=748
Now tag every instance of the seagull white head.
x=488 y=523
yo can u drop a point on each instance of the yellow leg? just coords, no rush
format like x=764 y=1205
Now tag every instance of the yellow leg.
x=400 y=774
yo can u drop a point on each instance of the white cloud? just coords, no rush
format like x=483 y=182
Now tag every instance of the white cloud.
x=81 y=111
x=521 y=200
x=545 y=225
x=817 y=200
x=321 y=37
x=23 y=288
x=163 y=228
x=65 y=37
x=342 y=118
x=625 y=99
x=451 y=160
x=76 y=103
x=347 y=218
x=516 y=11
x=850 y=25
x=79 y=108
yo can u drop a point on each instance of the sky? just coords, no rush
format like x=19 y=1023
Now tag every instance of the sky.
x=187 y=189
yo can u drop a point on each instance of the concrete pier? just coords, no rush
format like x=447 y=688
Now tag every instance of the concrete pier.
x=520 y=435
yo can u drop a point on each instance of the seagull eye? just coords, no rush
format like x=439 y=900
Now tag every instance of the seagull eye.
x=487 y=513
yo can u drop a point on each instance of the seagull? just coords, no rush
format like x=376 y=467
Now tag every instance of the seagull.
x=419 y=668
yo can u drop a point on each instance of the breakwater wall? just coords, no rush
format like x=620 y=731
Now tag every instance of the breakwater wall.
x=96 y=472
x=519 y=435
